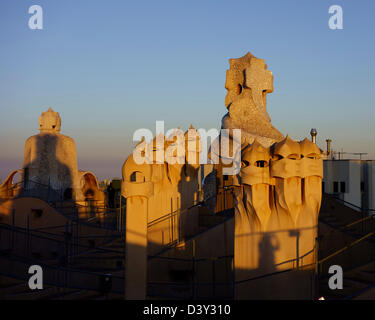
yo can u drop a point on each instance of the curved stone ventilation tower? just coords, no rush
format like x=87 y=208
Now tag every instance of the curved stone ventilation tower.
x=156 y=195
x=248 y=82
x=277 y=194
x=50 y=169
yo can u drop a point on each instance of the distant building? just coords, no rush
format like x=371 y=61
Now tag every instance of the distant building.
x=369 y=185
x=50 y=171
x=352 y=181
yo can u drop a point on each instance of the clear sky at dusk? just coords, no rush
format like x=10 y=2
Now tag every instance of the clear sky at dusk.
x=111 y=67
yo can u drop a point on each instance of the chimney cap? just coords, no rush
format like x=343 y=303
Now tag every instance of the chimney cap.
x=313 y=132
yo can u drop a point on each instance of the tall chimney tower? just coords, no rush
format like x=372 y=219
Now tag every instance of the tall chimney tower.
x=313 y=133
x=328 y=146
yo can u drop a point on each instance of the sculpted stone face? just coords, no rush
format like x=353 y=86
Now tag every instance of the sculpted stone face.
x=179 y=155
x=311 y=163
x=293 y=159
x=280 y=180
x=283 y=165
x=154 y=190
x=255 y=165
x=286 y=156
x=280 y=191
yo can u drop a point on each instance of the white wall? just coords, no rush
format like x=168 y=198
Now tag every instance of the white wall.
x=371 y=184
x=353 y=194
x=348 y=171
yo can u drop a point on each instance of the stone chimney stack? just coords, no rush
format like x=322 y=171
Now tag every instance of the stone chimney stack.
x=313 y=134
x=328 y=146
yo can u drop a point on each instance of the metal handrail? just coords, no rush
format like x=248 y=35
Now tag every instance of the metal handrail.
x=347 y=247
x=180 y=211
x=342 y=229
x=33 y=233
x=60 y=269
x=357 y=293
x=349 y=203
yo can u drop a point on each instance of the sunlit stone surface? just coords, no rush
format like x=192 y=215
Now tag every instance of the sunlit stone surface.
x=248 y=82
x=50 y=168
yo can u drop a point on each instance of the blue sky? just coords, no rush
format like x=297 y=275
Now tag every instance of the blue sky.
x=111 y=67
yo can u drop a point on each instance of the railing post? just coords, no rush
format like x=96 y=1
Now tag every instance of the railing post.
x=123 y=218
x=28 y=234
x=297 y=249
x=66 y=243
x=316 y=268
x=178 y=220
x=48 y=190
x=172 y=220
x=224 y=190
x=13 y=226
x=194 y=275
x=119 y=219
x=71 y=241
x=59 y=269
x=233 y=279
x=213 y=279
